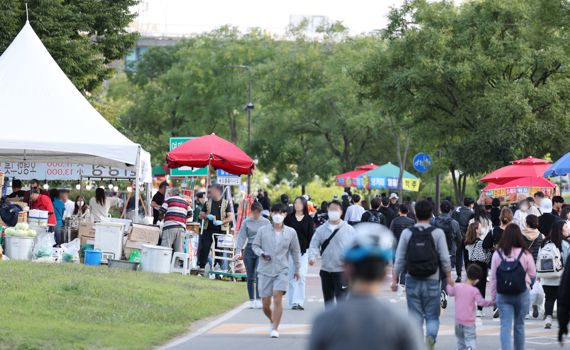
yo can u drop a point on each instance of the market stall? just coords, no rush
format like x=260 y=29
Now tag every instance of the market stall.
x=352 y=178
x=525 y=186
x=61 y=133
x=531 y=168
x=219 y=154
x=386 y=177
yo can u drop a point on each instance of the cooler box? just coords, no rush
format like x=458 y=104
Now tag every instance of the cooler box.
x=109 y=239
x=155 y=258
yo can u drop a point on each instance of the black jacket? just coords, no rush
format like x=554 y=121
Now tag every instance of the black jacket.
x=462 y=215
x=564 y=299
x=304 y=229
x=545 y=222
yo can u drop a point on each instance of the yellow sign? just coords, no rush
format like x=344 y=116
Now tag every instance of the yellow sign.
x=412 y=185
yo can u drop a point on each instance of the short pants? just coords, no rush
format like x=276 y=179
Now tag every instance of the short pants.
x=268 y=285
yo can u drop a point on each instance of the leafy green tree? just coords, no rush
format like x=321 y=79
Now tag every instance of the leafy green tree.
x=484 y=82
x=83 y=36
x=190 y=90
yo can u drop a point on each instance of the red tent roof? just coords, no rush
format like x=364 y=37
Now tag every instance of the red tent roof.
x=211 y=150
x=522 y=182
x=341 y=180
x=531 y=161
x=522 y=168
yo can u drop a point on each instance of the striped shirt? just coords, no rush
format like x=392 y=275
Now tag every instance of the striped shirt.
x=175 y=210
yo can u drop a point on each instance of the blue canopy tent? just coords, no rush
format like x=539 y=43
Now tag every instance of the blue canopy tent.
x=560 y=168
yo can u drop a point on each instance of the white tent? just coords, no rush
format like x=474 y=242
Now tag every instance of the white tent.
x=45 y=118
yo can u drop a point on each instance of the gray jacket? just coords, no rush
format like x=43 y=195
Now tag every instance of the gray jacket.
x=440 y=246
x=249 y=229
x=267 y=242
x=332 y=259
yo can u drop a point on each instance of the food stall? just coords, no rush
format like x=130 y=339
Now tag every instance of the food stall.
x=62 y=127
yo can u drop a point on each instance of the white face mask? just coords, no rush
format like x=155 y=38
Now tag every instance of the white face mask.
x=277 y=218
x=80 y=204
x=334 y=215
x=524 y=207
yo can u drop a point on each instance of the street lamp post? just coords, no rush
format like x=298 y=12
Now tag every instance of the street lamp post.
x=249 y=108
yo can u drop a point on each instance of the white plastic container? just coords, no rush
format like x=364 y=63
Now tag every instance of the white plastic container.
x=109 y=239
x=155 y=258
x=19 y=248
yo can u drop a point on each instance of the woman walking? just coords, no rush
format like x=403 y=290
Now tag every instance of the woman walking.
x=512 y=269
x=556 y=245
x=247 y=232
x=479 y=256
x=482 y=217
x=302 y=223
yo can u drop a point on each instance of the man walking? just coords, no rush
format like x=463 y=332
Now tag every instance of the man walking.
x=355 y=211
x=374 y=215
x=452 y=231
x=273 y=244
x=363 y=322
x=217 y=215
x=462 y=215
x=422 y=252
x=388 y=213
x=330 y=241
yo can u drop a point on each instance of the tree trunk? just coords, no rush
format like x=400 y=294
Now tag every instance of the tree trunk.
x=303 y=189
x=455 y=185
x=402 y=159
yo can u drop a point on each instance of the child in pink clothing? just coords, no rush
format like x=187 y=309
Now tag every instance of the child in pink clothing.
x=467 y=297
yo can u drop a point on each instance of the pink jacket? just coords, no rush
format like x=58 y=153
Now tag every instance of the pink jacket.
x=526 y=261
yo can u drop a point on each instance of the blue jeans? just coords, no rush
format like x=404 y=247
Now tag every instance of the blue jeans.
x=423 y=297
x=512 y=309
x=250 y=261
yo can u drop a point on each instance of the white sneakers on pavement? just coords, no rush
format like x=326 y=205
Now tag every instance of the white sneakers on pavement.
x=479 y=313
x=548 y=322
x=274 y=334
x=255 y=304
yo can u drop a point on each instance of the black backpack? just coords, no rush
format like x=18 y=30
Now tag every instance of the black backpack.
x=445 y=225
x=376 y=217
x=422 y=259
x=511 y=276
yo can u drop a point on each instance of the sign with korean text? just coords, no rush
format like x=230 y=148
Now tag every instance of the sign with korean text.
x=225 y=178
x=62 y=171
x=185 y=171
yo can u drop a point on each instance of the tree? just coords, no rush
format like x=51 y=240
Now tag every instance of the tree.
x=189 y=90
x=477 y=81
x=83 y=36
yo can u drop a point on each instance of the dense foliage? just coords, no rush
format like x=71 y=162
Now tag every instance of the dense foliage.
x=83 y=36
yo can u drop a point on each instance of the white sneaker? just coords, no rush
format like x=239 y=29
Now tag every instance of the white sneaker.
x=548 y=322
x=274 y=334
x=252 y=304
x=479 y=313
x=257 y=304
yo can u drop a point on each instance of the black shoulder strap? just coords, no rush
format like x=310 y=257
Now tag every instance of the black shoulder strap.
x=328 y=240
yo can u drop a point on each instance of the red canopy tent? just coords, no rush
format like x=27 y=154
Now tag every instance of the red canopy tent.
x=349 y=178
x=530 y=167
x=211 y=150
x=522 y=182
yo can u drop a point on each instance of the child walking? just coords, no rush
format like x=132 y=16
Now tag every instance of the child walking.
x=467 y=296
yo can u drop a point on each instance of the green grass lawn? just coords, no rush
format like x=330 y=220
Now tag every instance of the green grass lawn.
x=71 y=306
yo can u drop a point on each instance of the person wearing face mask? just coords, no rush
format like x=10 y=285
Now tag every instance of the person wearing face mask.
x=329 y=242
x=520 y=215
x=81 y=209
x=273 y=244
x=247 y=232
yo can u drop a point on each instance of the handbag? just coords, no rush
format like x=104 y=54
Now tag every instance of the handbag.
x=480 y=254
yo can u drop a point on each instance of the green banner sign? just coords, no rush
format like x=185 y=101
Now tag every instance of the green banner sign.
x=185 y=171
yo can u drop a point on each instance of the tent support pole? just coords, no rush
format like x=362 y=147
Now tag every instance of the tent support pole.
x=137 y=187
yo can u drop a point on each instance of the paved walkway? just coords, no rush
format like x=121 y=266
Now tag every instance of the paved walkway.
x=246 y=329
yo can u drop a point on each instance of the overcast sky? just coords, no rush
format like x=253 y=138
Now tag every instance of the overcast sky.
x=192 y=16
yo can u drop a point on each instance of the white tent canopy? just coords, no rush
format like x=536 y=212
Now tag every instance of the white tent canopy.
x=45 y=118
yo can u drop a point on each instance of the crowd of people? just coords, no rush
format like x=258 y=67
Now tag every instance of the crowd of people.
x=520 y=249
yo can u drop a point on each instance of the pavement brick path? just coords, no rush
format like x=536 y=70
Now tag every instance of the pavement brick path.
x=245 y=329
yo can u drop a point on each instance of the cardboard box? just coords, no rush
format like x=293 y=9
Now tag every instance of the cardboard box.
x=145 y=233
x=130 y=245
x=87 y=230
